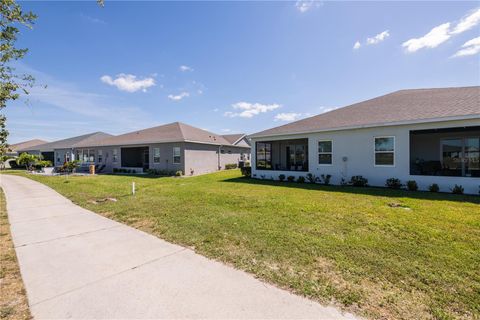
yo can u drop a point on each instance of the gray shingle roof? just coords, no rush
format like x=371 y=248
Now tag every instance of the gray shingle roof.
x=232 y=138
x=402 y=106
x=172 y=132
x=69 y=142
x=26 y=144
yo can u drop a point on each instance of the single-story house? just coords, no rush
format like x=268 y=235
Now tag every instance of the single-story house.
x=13 y=148
x=171 y=147
x=61 y=151
x=426 y=135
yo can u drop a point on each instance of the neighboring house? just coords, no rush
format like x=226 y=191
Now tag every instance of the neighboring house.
x=23 y=145
x=173 y=147
x=61 y=151
x=426 y=135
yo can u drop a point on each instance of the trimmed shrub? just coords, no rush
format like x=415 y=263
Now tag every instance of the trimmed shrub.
x=301 y=179
x=290 y=178
x=229 y=166
x=433 y=187
x=246 y=171
x=412 y=185
x=393 y=183
x=179 y=173
x=311 y=178
x=281 y=177
x=326 y=179
x=457 y=189
x=358 y=181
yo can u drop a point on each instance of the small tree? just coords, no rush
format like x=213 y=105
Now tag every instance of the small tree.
x=27 y=160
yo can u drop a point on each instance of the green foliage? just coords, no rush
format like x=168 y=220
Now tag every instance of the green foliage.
x=311 y=178
x=246 y=171
x=457 y=189
x=412 y=185
x=326 y=179
x=43 y=163
x=290 y=178
x=301 y=179
x=434 y=187
x=179 y=173
x=393 y=183
x=160 y=172
x=11 y=83
x=229 y=166
x=27 y=160
x=358 y=181
x=281 y=177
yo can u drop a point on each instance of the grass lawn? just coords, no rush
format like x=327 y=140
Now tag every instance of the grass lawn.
x=13 y=301
x=379 y=253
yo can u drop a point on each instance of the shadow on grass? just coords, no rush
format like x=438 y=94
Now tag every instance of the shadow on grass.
x=371 y=191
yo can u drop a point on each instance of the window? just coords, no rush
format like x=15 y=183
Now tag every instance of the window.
x=384 y=151
x=156 y=155
x=325 y=152
x=222 y=151
x=264 y=155
x=461 y=157
x=115 y=155
x=91 y=155
x=176 y=155
x=100 y=156
x=57 y=155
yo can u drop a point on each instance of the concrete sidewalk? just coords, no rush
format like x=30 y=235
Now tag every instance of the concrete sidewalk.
x=77 y=264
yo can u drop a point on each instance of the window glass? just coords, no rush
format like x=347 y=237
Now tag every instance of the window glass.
x=176 y=155
x=156 y=155
x=115 y=155
x=325 y=152
x=384 y=151
x=264 y=155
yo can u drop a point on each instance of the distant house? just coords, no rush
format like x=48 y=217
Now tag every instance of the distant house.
x=173 y=147
x=60 y=151
x=24 y=145
x=426 y=135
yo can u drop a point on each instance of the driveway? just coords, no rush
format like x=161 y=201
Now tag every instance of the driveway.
x=77 y=264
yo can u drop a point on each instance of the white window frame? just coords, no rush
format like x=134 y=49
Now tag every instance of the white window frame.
x=180 y=155
x=331 y=153
x=375 y=152
x=156 y=148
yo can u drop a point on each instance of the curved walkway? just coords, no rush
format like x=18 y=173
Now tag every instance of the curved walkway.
x=77 y=264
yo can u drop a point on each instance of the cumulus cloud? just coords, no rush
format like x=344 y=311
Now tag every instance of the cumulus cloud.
x=469 y=48
x=128 y=82
x=373 y=40
x=378 y=38
x=249 y=110
x=288 y=116
x=178 y=97
x=185 y=68
x=443 y=32
x=306 y=5
x=434 y=38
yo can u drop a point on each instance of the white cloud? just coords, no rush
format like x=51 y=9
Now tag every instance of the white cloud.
x=470 y=48
x=434 y=38
x=128 y=82
x=378 y=38
x=178 y=97
x=357 y=45
x=249 y=110
x=306 y=5
x=226 y=130
x=289 y=116
x=185 y=68
x=467 y=22
x=443 y=32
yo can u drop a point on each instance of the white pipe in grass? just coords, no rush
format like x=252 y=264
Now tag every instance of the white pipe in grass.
x=133 y=188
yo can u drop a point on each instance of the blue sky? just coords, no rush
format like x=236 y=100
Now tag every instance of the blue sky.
x=231 y=66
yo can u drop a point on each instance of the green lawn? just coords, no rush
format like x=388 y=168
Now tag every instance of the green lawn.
x=379 y=253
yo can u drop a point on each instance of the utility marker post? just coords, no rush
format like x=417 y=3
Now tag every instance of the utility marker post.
x=133 y=188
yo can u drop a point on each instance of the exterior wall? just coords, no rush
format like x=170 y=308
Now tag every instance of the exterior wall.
x=233 y=155
x=357 y=145
x=59 y=156
x=166 y=157
x=201 y=158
